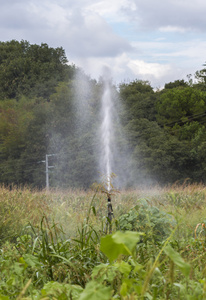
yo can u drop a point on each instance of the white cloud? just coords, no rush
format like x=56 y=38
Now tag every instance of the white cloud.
x=117 y=65
x=187 y=14
x=84 y=32
x=127 y=69
x=139 y=67
x=112 y=10
x=172 y=29
x=92 y=36
x=158 y=36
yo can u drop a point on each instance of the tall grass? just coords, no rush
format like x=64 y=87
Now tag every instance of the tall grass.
x=51 y=242
x=18 y=207
x=70 y=208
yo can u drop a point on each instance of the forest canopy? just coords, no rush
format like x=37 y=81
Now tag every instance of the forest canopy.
x=48 y=105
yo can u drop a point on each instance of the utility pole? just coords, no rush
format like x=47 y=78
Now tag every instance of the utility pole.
x=47 y=172
x=47 y=169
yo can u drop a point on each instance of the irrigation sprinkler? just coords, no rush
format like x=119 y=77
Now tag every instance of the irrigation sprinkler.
x=110 y=214
x=109 y=190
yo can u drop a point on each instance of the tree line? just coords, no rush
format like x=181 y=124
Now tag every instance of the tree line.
x=50 y=106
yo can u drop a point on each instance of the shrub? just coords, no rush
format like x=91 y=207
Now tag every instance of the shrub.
x=149 y=219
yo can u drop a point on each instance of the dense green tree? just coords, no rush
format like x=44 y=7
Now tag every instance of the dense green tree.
x=138 y=99
x=28 y=75
x=157 y=156
x=176 y=84
x=36 y=144
x=23 y=141
x=161 y=128
x=72 y=134
x=50 y=107
x=179 y=106
x=201 y=79
x=198 y=153
x=182 y=113
x=31 y=70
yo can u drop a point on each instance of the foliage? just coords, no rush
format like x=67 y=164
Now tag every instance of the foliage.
x=139 y=98
x=43 y=263
x=175 y=84
x=72 y=138
x=162 y=130
x=201 y=78
x=179 y=106
x=31 y=70
x=17 y=208
x=50 y=106
x=157 y=225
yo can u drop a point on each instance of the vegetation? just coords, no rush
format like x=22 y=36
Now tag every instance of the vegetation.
x=50 y=106
x=155 y=251
x=54 y=244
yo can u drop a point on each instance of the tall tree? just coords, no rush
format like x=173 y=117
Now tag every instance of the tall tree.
x=31 y=70
x=201 y=78
x=180 y=106
x=138 y=99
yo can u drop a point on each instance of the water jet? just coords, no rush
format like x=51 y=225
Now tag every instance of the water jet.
x=107 y=134
x=106 y=131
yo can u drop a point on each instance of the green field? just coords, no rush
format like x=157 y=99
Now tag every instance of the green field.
x=54 y=245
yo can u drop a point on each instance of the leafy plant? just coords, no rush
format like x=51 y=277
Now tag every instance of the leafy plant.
x=156 y=224
x=41 y=262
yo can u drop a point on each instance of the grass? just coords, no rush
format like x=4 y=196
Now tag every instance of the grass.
x=70 y=207
x=19 y=207
x=186 y=203
x=50 y=245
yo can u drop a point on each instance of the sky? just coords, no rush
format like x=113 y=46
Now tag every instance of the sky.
x=155 y=40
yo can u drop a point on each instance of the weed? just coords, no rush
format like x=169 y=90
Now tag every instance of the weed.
x=53 y=245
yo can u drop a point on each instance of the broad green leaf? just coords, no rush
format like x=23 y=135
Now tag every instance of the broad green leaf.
x=97 y=270
x=124 y=289
x=61 y=290
x=111 y=249
x=2 y=297
x=124 y=268
x=178 y=260
x=76 y=291
x=104 y=272
x=128 y=238
x=94 y=291
x=119 y=243
x=32 y=260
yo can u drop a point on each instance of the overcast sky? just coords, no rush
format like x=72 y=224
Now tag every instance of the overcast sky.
x=155 y=40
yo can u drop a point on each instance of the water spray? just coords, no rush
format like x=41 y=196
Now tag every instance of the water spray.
x=108 y=146
x=106 y=132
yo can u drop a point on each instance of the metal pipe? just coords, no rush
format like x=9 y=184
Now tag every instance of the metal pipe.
x=110 y=214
